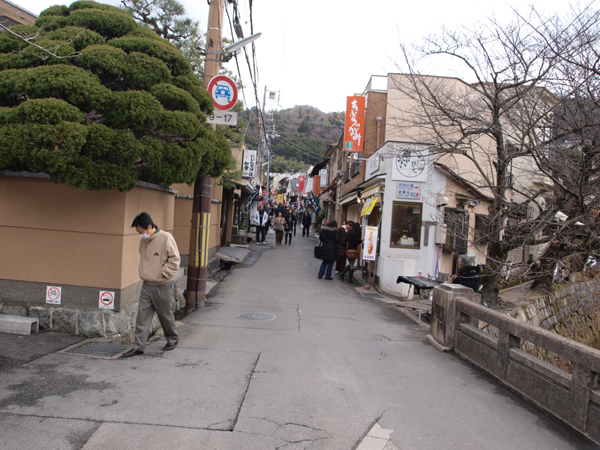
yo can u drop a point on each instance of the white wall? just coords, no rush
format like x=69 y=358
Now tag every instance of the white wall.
x=394 y=262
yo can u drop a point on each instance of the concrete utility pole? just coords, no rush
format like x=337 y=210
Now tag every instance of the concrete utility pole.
x=198 y=252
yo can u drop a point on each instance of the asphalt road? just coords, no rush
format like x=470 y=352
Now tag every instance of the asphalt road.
x=277 y=360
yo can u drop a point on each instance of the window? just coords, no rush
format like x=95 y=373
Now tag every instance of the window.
x=457 y=234
x=406 y=225
x=482 y=226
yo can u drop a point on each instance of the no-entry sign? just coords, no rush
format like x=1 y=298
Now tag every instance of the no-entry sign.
x=107 y=300
x=224 y=92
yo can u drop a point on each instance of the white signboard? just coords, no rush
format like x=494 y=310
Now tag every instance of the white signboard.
x=53 y=295
x=323 y=175
x=222 y=118
x=106 y=300
x=372 y=165
x=409 y=190
x=249 y=164
x=410 y=165
x=370 y=246
x=309 y=185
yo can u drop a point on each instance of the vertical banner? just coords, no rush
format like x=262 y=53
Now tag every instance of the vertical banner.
x=354 y=129
x=301 y=180
x=314 y=201
x=370 y=247
x=323 y=175
x=251 y=199
x=249 y=164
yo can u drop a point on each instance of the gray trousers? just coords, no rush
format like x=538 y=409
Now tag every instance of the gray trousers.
x=154 y=298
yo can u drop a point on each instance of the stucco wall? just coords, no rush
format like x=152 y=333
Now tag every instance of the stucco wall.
x=59 y=235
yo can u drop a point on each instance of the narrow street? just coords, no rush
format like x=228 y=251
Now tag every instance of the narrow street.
x=277 y=360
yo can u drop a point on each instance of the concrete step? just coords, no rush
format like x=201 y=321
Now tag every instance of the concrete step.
x=18 y=324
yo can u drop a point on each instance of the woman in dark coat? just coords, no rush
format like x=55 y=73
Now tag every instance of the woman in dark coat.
x=354 y=239
x=329 y=237
x=341 y=253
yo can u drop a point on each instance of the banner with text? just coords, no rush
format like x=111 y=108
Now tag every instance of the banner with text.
x=314 y=201
x=354 y=128
x=249 y=164
x=251 y=199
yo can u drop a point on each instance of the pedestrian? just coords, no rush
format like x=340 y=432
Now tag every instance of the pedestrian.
x=329 y=237
x=341 y=250
x=353 y=240
x=260 y=219
x=278 y=226
x=466 y=275
x=306 y=223
x=290 y=225
x=159 y=262
x=296 y=217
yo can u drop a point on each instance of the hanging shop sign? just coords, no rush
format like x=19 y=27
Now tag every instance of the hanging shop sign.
x=323 y=175
x=314 y=201
x=249 y=164
x=251 y=199
x=301 y=180
x=370 y=246
x=368 y=206
x=224 y=92
x=354 y=128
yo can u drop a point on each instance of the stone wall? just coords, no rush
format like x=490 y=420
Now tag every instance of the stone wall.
x=118 y=325
x=572 y=312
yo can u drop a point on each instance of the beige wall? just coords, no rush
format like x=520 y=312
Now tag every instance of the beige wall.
x=182 y=224
x=62 y=235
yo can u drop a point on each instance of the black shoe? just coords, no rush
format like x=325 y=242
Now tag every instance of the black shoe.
x=320 y=278
x=343 y=273
x=170 y=346
x=132 y=352
x=329 y=279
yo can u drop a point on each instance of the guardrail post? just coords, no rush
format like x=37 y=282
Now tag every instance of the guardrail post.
x=506 y=341
x=443 y=313
x=583 y=380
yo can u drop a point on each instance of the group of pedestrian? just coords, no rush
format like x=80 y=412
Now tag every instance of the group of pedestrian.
x=282 y=220
x=337 y=245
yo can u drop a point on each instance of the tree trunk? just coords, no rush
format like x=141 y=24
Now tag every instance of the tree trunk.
x=492 y=275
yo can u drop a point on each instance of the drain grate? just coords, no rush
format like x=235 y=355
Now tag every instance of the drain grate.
x=105 y=349
x=262 y=316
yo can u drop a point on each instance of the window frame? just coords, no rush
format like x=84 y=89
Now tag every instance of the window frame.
x=419 y=226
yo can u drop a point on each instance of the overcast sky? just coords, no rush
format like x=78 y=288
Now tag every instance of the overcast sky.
x=318 y=52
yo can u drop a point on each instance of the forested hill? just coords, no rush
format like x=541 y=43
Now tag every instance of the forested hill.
x=298 y=134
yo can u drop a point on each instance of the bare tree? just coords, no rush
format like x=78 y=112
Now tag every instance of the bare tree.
x=513 y=131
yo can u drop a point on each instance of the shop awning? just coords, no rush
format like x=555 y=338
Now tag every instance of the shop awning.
x=348 y=199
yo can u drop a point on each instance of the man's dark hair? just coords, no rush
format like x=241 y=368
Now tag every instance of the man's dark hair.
x=143 y=220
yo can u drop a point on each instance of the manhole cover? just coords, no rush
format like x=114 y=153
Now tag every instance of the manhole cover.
x=257 y=316
x=99 y=349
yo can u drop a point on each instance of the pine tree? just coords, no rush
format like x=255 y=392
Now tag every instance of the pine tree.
x=113 y=103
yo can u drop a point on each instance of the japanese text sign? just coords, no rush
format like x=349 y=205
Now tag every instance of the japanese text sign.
x=408 y=190
x=354 y=129
x=249 y=164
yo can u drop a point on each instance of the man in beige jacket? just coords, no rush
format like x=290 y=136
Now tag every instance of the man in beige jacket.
x=159 y=262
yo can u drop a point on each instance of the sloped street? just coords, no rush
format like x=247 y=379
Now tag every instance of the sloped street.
x=277 y=360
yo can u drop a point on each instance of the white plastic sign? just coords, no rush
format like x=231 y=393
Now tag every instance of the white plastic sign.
x=53 y=295
x=106 y=300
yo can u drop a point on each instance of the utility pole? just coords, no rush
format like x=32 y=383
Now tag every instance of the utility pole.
x=198 y=252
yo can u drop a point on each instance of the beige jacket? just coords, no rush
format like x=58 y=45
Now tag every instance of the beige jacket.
x=159 y=258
